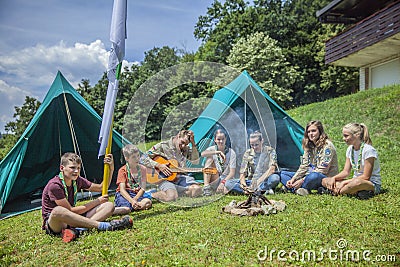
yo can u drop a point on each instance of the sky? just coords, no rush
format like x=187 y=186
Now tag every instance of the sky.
x=40 y=37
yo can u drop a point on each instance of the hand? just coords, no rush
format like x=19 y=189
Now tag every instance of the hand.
x=103 y=199
x=191 y=136
x=297 y=184
x=340 y=186
x=331 y=183
x=135 y=204
x=164 y=169
x=109 y=159
x=220 y=188
x=289 y=183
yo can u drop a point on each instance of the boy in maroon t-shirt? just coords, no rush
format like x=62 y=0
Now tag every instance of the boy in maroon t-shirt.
x=60 y=215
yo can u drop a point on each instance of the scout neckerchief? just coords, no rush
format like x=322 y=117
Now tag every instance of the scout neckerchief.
x=133 y=183
x=220 y=162
x=250 y=164
x=357 y=167
x=312 y=160
x=65 y=187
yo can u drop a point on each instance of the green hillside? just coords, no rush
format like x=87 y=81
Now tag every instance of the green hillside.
x=378 y=108
x=317 y=230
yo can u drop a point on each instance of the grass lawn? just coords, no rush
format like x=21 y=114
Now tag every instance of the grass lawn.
x=331 y=229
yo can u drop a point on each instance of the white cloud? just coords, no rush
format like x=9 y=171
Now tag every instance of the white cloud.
x=30 y=71
x=38 y=65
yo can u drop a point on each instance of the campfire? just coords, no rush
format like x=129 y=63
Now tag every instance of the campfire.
x=256 y=204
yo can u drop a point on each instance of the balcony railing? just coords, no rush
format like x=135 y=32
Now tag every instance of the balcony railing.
x=367 y=32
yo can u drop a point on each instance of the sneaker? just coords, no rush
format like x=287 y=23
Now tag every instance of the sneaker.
x=207 y=191
x=125 y=222
x=270 y=192
x=324 y=191
x=302 y=192
x=69 y=235
x=81 y=230
x=365 y=194
x=283 y=190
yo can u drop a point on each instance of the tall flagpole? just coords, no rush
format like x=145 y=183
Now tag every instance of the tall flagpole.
x=106 y=173
x=117 y=53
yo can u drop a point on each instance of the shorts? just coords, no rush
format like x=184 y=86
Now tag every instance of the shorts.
x=50 y=231
x=181 y=185
x=120 y=201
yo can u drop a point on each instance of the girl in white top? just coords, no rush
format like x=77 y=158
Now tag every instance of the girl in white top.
x=362 y=158
x=221 y=157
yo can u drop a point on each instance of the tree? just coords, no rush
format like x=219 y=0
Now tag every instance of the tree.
x=95 y=95
x=156 y=60
x=23 y=116
x=220 y=28
x=7 y=142
x=261 y=56
x=295 y=27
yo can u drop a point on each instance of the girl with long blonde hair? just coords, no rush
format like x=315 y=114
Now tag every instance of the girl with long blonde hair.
x=362 y=158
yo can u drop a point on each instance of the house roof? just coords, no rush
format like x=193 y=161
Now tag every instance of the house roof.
x=350 y=11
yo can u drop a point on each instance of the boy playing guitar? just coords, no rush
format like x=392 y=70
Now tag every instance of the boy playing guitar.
x=175 y=149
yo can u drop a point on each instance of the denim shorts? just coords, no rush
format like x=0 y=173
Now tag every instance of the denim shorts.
x=181 y=185
x=120 y=201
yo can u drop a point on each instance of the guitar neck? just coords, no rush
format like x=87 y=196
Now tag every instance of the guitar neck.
x=187 y=170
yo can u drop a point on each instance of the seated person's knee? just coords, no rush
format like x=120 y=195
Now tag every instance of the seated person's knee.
x=312 y=176
x=171 y=196
x=108 y=206
x=195 y=190
x=147 y=203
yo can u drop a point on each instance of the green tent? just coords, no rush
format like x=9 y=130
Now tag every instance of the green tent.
x=35 y=158
x=242 y=107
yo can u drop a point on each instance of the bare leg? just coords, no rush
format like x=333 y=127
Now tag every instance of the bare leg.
x=356 y=185
x=101 y=212
x=121 y=210
x=60 y=217
x=194 y=190
x=337 y=188
x=166 y=196
x=214 y=179
x=145 y=204
x=207 y=177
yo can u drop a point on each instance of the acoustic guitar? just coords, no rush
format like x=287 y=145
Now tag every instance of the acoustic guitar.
x=155 y=176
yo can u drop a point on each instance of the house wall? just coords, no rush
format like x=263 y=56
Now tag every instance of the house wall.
x=387 y=73
x=364 y=79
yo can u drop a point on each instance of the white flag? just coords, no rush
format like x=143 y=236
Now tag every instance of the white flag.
x=117 y=53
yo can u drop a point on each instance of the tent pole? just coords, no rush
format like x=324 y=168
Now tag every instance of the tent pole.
x=245 y=117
